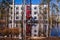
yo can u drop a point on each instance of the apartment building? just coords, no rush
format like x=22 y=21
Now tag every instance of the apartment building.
x=28 y=21
x=37 y=15
x=15 y=15
x=43 y=19
x=3 y=19
x=35 y=25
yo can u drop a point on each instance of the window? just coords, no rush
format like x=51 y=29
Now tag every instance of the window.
x=35 y=25
x=44 y=28
x=35 y=35
x=28 y=7
x=45 y=21
x=17 y=7
x=11 y=17
x=11 y=12
x=45 y=25
x=4 y=18
x=10 y=25
x=1 y=25
x=4 y=25
x=10 y=21
x=17 y=17
x=40 y=8
x=35 y=7
x=45 y=12
x=35 y=30
x=45 y=17
x=17 y=12
x=35 y=17
x=21 y=8
x=16 y=25
x=35 y=12
x=40 y=17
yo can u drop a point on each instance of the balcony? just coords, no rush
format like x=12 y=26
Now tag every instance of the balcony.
x=28 y=7
x=28 y=12
x=28 y=16
x=32 y=21
x=19 y=21
x=2 y=21
x=41 y=21
x=35 y=21
x=28 y=29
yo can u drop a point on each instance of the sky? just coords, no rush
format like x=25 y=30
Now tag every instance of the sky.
x=17 y=2
x=33 y=1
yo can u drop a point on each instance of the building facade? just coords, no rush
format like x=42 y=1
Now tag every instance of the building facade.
x=15 y=14
x=36 y=19
x=35 y=25
x=43 y=19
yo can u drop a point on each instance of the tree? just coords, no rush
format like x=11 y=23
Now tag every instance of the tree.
x=4 y=12
x=48 y=3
